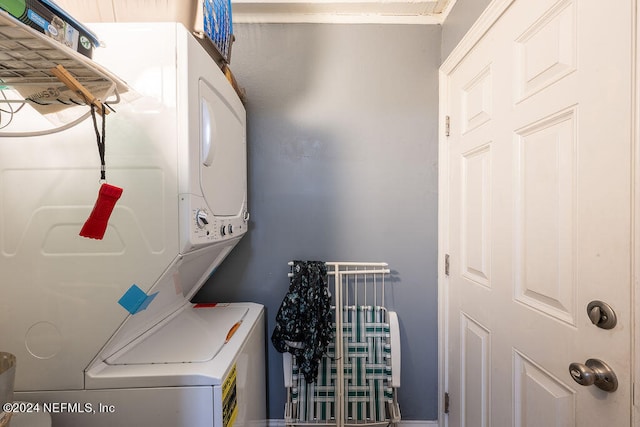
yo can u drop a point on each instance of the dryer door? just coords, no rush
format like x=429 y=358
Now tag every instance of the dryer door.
x=223 y=163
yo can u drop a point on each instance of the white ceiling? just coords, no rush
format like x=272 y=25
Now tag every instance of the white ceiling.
x=266 y=11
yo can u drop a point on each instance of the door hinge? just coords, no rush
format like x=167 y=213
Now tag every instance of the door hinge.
x=447 y=126
x=446 y=402
x=446 y=264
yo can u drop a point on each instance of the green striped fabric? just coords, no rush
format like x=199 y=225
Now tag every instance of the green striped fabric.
x=367 y=373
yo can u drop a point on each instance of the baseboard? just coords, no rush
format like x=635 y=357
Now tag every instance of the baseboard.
x=409 y=423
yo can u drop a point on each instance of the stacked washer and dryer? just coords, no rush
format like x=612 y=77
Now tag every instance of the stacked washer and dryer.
x=177 y=147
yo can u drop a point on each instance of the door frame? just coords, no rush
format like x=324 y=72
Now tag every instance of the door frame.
x=483 y=24
x=635 y=226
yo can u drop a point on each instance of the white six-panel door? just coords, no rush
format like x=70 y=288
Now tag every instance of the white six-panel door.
x=536 y=213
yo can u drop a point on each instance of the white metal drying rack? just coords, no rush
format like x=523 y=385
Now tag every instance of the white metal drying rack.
x=30 y=58
x=341 y=270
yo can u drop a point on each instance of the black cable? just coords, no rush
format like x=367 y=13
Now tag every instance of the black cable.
x=100 y=139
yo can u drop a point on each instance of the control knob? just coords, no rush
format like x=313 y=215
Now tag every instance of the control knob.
x=201 y=218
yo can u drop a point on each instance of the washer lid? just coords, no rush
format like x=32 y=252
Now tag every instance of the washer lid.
x=194 y=335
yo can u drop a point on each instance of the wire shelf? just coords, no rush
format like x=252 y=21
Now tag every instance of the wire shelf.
x=27 y=75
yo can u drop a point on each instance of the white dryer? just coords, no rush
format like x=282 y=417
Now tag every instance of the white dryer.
x=177 y=147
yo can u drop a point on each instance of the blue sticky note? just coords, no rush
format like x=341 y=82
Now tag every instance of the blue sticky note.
x=146 y=302
x=135 y=299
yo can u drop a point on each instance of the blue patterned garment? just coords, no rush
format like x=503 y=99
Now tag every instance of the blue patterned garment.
x=303 y=323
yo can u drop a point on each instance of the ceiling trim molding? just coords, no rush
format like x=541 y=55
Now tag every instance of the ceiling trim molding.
x=444 y=12
x=333 y=18
x=415 y=12
x=419 y=12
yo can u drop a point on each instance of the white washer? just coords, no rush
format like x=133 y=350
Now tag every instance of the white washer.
x=202 y=367
x=35 y=419
x=177 y=146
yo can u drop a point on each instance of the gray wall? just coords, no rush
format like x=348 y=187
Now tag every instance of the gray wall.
x=460 y=19
x=342 y=152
